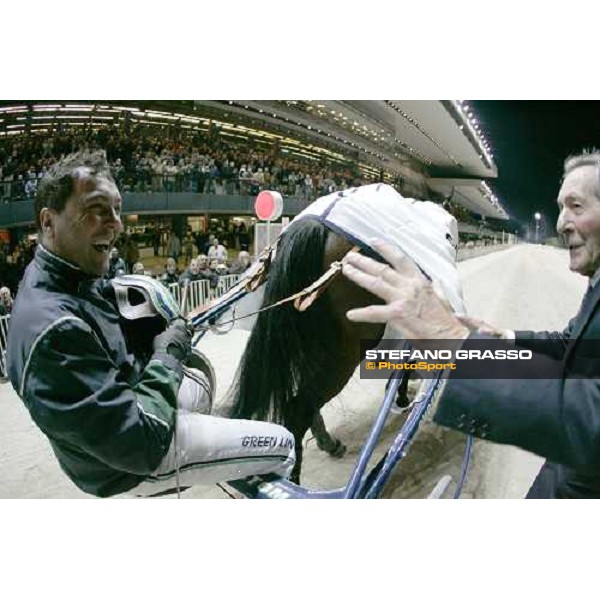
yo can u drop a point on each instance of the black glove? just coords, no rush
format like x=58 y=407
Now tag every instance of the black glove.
x=175 y=340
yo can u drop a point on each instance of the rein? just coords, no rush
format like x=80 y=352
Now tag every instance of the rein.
x=302 y=300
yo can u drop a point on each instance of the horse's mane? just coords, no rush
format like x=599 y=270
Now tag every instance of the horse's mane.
x=288 y=351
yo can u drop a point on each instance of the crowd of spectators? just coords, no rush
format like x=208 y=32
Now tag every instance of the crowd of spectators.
x=144 y=160
x=212 y=261
x=204 y=257
x=234 y=235
x=198 y=268
x=12 y=266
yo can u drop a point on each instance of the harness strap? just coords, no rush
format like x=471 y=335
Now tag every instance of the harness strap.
x=302 y=299
x=305 y=298
x=250 y=282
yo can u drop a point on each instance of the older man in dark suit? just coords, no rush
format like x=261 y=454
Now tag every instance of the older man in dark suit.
x=558 y=419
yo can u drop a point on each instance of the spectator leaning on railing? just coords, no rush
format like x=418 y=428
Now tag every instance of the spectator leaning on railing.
x=171 y=274
x=6 y=301
x=206 y=272
x=192 y=273
x=138 y=269
x=218 y=268
x=240 y=264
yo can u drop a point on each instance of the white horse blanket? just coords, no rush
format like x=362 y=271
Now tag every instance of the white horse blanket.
x=424 y=231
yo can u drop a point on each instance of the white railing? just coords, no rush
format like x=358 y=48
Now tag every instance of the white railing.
x=4 y=320
x=225 y=283
x=198 y=294
x=175 y=290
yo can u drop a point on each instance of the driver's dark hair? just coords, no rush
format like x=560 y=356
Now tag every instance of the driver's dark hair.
x=57 y=185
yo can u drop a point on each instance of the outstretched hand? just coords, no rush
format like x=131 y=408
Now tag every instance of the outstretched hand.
x=412 y=306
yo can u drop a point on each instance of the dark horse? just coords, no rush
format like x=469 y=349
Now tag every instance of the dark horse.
x=295 y=362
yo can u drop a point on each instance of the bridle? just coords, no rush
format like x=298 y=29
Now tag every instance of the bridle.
x=302 y=300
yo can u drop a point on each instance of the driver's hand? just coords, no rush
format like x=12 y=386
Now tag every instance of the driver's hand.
x=175 y=340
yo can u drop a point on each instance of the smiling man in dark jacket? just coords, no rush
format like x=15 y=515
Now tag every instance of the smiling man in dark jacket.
x=117 y=422
x=557 y=418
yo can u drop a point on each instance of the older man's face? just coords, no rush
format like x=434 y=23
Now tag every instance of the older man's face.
x=579 y=219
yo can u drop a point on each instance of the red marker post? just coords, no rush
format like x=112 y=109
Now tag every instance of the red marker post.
x=268 y=206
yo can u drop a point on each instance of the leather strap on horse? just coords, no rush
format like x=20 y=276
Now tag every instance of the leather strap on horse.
x=302 y=299
x=305 y=298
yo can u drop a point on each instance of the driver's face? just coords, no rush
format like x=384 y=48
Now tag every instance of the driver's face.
x=84 y=232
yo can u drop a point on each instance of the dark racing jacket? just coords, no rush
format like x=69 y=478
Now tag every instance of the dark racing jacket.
x=108 y=417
